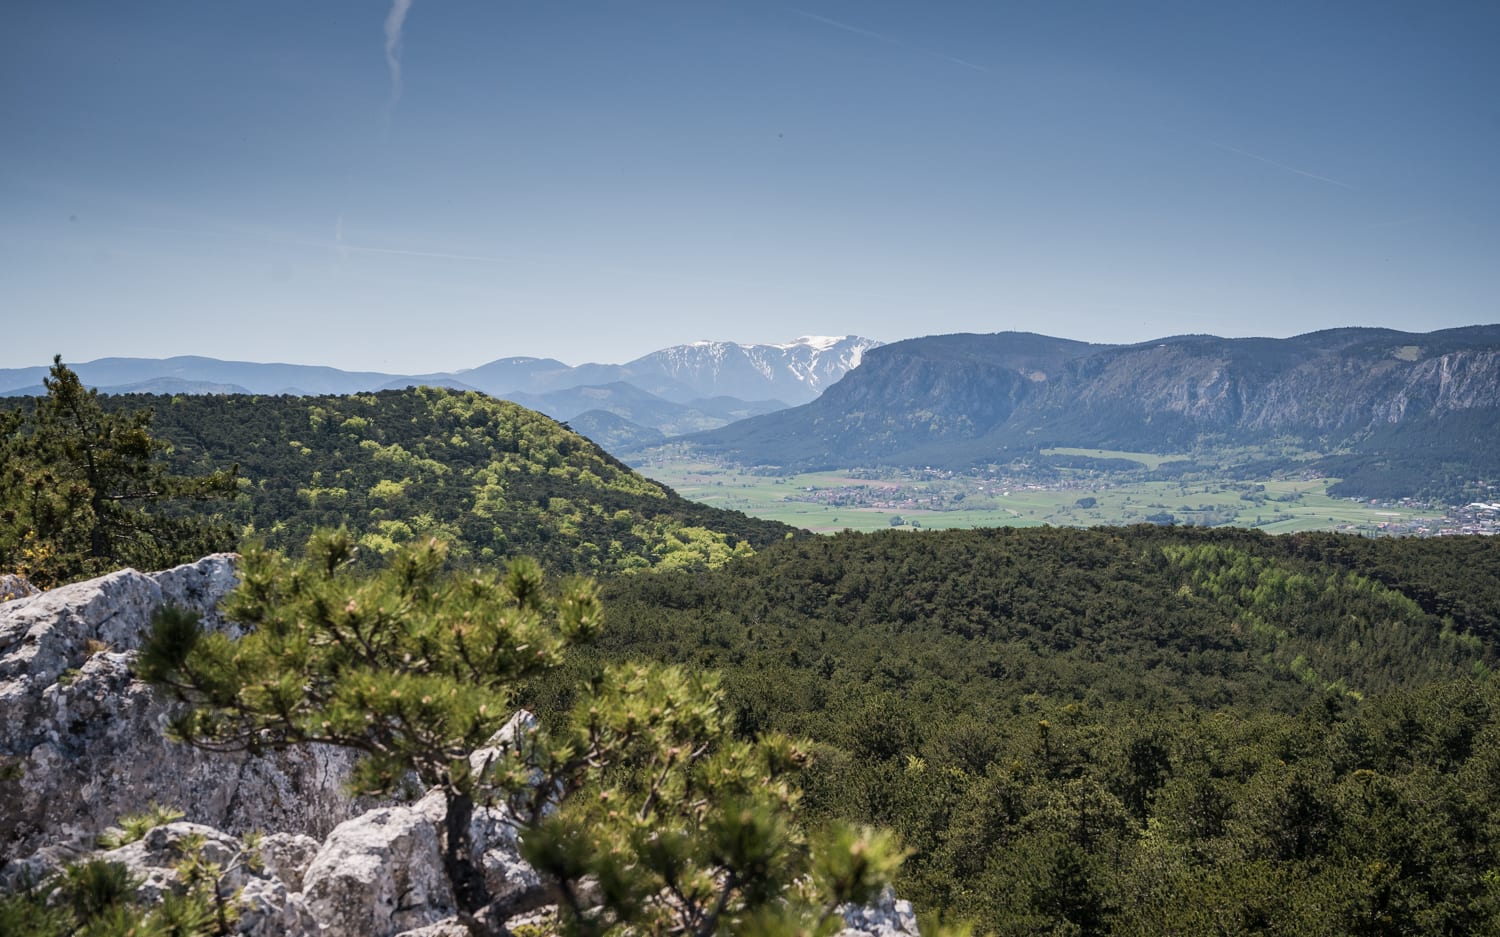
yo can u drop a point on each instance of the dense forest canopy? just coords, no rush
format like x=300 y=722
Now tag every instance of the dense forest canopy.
x=1140 y=730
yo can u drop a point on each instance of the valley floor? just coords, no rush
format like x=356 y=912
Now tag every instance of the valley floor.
x=864 y=499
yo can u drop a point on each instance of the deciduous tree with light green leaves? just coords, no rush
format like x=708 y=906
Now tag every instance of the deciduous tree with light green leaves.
x=641 y=812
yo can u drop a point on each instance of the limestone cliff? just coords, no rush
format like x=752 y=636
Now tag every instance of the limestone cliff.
x=952 y=400
x=82 y=742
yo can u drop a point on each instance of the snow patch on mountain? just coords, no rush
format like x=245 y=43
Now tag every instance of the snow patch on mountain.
x=796 y=371
x=816 y=342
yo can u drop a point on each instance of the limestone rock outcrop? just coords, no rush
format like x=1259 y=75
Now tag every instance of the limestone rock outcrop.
x=265 y=905
x=82 y=741
x=889 y=916
x=382 y=873
x=82 y=744
x=15 y=587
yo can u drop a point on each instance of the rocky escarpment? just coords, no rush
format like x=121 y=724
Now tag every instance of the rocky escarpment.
x=82 y=744
x=950 y=400
x=82 y=741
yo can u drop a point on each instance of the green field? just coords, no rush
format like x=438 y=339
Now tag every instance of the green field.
x=1273 y=505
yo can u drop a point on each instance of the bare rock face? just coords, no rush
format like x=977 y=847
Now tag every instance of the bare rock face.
x=448 y=928
x=82 y=741
x=15 y=587
x=889 y=916
x=288 y=855
x=381 y=873
x=264 y=904
x=377 y=875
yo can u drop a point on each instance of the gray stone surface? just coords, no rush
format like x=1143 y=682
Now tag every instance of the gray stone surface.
x=378 y=875
x=82 y=741
x=264 y=906
x=15 y=587
x=287 y=856
x=447 y=928
x=889 y=916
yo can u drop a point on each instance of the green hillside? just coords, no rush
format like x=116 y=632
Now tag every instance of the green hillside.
x=492 y=478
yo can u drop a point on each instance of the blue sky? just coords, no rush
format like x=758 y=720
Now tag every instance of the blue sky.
x=436 y=184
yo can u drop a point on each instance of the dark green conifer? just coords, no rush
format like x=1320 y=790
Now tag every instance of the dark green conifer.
x=83 y=490
x=642 y=812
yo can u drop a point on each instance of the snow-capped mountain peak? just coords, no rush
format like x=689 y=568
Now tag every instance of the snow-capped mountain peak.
x=794 y=372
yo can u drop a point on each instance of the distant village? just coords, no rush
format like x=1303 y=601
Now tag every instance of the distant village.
x=1478 y=517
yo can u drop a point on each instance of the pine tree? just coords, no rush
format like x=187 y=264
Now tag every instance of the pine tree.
x=642 y=812
x=83 y=490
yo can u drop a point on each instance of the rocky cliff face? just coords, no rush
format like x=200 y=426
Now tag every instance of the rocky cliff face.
x=947 y=400
x=82 y=745
x=82 y=742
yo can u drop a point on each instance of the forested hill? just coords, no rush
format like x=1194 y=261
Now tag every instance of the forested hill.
x=1130 y=730
x=492 y=478
x=1402 y=408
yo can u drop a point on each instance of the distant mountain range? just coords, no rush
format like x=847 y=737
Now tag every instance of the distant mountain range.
x=1405 y=403
x=668 y=392
x=1391 y=412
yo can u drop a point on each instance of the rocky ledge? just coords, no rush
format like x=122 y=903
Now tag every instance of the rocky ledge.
x=82 y=741
x=82 y=744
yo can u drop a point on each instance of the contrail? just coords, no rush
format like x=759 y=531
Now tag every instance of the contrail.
x=879 y=37
x=393 y=23
x=962 y=63
x=1272 y=162
x=845 y=27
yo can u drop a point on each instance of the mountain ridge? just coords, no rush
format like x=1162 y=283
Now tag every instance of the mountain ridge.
x=675 y=381
x=957 y=400
x=807 y=361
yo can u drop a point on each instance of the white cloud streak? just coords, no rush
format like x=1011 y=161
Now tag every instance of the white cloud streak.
x=393 y=23
x=1283 y=166
x=879 y=37
x=845 y=27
